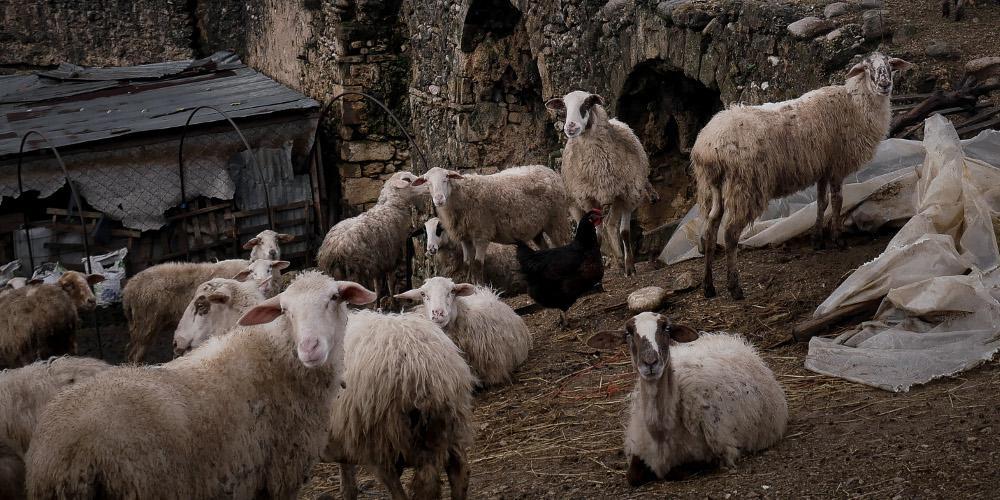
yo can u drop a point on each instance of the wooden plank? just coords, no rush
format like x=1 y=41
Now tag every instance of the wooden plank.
x=263 y=211
x=814 y=326
x=76 y=229
x=196 y=212
x=253 y=230
x=66 y=213
x=979 y=126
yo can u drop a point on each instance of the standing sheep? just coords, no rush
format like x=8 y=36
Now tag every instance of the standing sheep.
x=369 y=247
x=267 y=245
x=40 y=321
x=216 y=307
x=696 y=399
x=501 y=267
x=493 y=337
x=747 y=155
x=244 y=416
x=516 y=204
x=24 y=392
x=603 y=164
x=154 y=300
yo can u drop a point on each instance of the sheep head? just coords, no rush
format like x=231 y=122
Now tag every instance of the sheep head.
x=435 y=235
x=578 y=107
x=266 y=273
x=315 y=307
x=438 y=295
x=77 y=286
x=440 y=181
x=648 y=336
x=266 y=245
x=878 y=70
x=211 y=313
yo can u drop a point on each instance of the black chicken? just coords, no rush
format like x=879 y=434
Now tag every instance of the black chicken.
x=556 y=277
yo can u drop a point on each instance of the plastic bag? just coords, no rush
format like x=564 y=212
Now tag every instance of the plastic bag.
x=112 y=266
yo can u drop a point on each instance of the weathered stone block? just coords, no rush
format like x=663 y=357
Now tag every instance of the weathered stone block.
x=361 y=190
x=362 y=151
x=809 y=27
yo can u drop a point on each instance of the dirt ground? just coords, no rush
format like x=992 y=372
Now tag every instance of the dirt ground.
x=557 y=431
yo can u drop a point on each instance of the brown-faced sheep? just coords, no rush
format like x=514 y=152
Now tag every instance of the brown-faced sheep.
x=244 y=416
x=40 y=321
x=747 y=155
x=24 y=392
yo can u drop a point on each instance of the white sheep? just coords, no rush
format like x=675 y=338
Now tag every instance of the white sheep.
x=747 y=155
x=697 y=399
x=517 y=204
x=24 y=392
x=368 y=248
x=154 y=299
x=40 y=321
x=244 y=416
x=493 y=337
x=267 y=245
x=603 y=164
x=501 y=267
x=405 y=381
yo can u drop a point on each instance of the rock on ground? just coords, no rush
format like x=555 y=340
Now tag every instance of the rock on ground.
x=809 y=27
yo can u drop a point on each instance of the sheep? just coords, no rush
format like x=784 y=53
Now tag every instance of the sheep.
x=244 y=416
x=696 y=399
x=13 y=284
x=493 y=337
x=368 y=247
x=154 y=299
x=40 y=321
x=267 y=245
x=217 y=305
x=747 y=155
x=23 y=393
x=405 y=381
x=603 y=164
x=501 y=267
x=517 y=204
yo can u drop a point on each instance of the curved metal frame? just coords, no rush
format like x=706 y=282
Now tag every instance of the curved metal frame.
x=79 y=206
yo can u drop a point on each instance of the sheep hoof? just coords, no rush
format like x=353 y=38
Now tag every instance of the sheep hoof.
x=841 y=243
x=736 y=292
x=639 y=473
x=819 y=243
x=710 y=291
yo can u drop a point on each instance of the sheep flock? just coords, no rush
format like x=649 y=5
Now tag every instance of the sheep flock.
x=268 y=379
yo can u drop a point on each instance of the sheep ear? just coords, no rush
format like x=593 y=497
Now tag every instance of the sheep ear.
x=280 y=265
x=252 y=243
x=419 y=181
x=355 y=293
x=455 y=175
x=607 y=340
x=93 y=279
x=410 y=295
x=464 y=289
x=218 y=297
x=856 y=70
x=262 y=285
x=243 y=275
x=556 y=104
x=285 y=237
x=265 y=312
x=403 y=183
x=683 y=333
x=898 y=64
x=593 y=99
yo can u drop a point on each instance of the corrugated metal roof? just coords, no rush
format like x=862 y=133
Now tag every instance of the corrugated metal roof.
x=75 y=105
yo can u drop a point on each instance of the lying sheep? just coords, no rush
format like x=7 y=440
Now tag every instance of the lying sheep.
x=40 y=321
x=267 y=245
x=154 y=300
x=24 y=392
x=516 y=204
x=244 y=416
x=493 y=337
x=603 y=164
x=216 y=307
x=501 y=267
x=747 y=155
x=705 y=399
x=369 y=247
x=405 y=381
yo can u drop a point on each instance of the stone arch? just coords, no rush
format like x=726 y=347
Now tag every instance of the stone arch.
x=488 y=18
x=666 y=109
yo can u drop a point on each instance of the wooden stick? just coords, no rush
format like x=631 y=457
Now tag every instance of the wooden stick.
x=964 y=97
x=814 y=326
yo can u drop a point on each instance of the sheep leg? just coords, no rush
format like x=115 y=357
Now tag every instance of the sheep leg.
x=837 y=221
x=348 y=481
x=819 y=242
x=468 y=257
x=426 y=482
x=733 y=230
x=458 y=475
x=481 y=247
x=625 y=234
x=391 y=282
x=708 y=239
x=389 y=476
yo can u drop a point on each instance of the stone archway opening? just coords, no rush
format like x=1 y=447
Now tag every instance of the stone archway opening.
x=494 y=18
x=666 y=109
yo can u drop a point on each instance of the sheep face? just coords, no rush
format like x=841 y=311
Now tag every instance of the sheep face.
x=77 y=286
x=878 y=70
x=211 y=313
x=439 y=180
x=435 y=235
x=315 y=307
x=266 y=245
x=266 y=273
x=438 y=296
x=577 y=107
x=402 y=184
x=648 y=336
